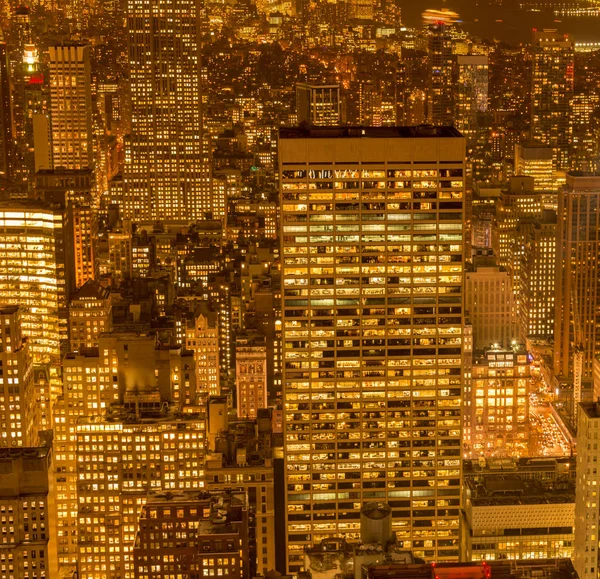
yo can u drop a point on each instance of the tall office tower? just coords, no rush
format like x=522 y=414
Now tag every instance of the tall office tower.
x=33 y=273
x=535 y=160
x=552 y=93
x=587 y=514
x=250 y=374
x=201 y=535
x=29 y=514
x=372 y=316
x=440 y=97
x=499 y=402
x=120 y=459
x=538 y=276
x=577 y=314
x=167 y=170
x=18 y=397
x=7 y=134
x=71 y=106
x=90 y=314
x=202 y=338
x=490 y=304
x=318 y=105
x=519 y=204
x=472 y=92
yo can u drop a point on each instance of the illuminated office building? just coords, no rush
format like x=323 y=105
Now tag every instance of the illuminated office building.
x=519 y=204
x=28 y=514
x=552 y=93
x=587 y=514
x=499 y=404
x=7 y=135
x=318 y=105
x=577 y=313
x=19 y=411
x=471 y=92
x=372 y=252
x=71 y=101
x=535 y=161
x=33 y=273
x=119 y=460
x=122 y=367
x=441 y=88
x=167 y=164
x=537 y=278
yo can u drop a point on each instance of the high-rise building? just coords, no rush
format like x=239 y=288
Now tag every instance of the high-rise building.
x=536 y=161
x=537 y=279
x=167 y=167
x=7 y=134
x=552 y=93
x=318 y=105
x=71 y=101
x=440 y=102
x=372 y=317
x=33 y=272
x=18 y=397
x=587 y=513
x=28 y=514
x=471 y=92
x=577 y=313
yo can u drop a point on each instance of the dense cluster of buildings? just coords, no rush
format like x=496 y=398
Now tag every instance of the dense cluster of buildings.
x=292 y=289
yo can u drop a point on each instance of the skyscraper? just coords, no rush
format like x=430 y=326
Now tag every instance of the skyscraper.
x=33 y=273
x=441 y=76
x=6 y=117
x=167 y=173
x=372 y=314
x=472 y=92
x=552 y=93
x=71 y=101
x=577 y=314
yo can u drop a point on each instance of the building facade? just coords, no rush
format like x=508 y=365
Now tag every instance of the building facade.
x=71 y=101
x=552 y=93
x=372 y=327
x=167 y=161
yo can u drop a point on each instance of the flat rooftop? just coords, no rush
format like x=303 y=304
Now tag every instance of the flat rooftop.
x=416 y=132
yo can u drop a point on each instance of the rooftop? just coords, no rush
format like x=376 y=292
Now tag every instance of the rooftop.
x=420 y=131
